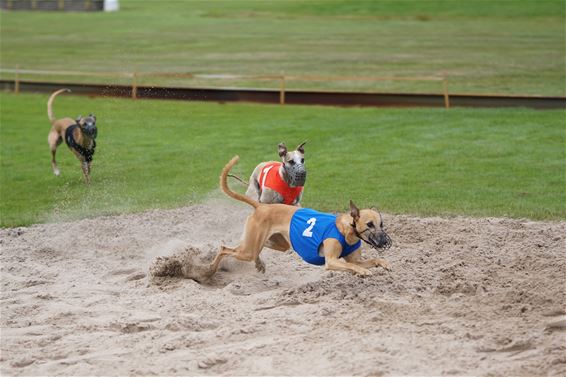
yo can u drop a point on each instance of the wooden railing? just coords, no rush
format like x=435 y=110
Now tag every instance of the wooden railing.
x=282 y=79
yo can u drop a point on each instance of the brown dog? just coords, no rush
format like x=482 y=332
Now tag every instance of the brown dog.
x=319 y=238
x=79 y=134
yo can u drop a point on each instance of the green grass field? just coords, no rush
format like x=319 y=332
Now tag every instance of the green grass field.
x=160 y=154
x=508 y=47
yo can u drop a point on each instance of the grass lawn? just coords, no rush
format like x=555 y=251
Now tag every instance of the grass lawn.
x=163 y=154
x=507 y=47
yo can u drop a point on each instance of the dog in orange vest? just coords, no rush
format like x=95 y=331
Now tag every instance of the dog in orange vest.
x=280 y=182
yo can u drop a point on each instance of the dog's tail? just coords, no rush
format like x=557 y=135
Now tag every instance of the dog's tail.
x=50 y=104
x=226 y=189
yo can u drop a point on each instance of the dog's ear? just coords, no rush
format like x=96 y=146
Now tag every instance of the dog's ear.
x=354 y=211
x=301 y=147
x=78 y=120
x=282 y=150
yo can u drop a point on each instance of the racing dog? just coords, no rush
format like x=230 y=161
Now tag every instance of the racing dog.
x=79 y=134
x=280 y=182
x=318 y=238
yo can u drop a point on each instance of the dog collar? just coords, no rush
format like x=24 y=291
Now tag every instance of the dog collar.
x=358 y=234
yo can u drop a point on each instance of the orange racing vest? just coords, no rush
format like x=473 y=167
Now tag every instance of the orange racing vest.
x=269 y=177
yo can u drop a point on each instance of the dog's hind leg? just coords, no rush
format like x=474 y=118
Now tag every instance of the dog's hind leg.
x=259 y=265
x=253 y=241
x=218 y=258
x=237 y=253
x=54 y=140
x=275 y=242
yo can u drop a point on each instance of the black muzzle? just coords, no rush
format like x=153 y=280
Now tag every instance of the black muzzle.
x=90 y=130
x=379 y=240
x=297 y=174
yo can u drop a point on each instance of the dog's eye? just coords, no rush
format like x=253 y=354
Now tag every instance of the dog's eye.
x=302 y=160
x=292 y=162
x=370 y=224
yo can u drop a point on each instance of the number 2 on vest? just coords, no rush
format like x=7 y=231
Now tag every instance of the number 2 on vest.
x=307 y=232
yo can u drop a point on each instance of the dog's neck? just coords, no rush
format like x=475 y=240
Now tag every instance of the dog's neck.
x=83 y=139
x=344 y=225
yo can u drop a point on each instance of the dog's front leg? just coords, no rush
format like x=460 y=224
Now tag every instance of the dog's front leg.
x=332 y=251
x=340 y=265
x=356 y=258
x=86 y=169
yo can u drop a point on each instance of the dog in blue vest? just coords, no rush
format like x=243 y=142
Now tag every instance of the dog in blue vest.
x=319 y=238
x=79 y=135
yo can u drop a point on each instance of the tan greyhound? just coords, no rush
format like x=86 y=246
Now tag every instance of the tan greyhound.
x=319 y=238
x=79 y=134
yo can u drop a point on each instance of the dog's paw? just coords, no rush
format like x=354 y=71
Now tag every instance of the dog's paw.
x=57 y=172
x=260 y=266
x=382 y=263
x=363 y=271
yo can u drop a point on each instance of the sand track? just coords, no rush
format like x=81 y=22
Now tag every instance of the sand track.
x=465 y=297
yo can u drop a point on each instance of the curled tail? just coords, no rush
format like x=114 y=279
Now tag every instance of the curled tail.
x=50 y=104
x=226 y=189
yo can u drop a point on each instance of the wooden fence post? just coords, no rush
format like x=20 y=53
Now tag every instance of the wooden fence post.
x=61 y=4
x=282 y=89
x=445 y=90
x=134 y=85
x=17 y=80
x=34 y=4
x=9 y=5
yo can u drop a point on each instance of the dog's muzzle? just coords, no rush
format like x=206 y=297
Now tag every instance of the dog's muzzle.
x=379 y=240
x=90 y=129
x=297 y=174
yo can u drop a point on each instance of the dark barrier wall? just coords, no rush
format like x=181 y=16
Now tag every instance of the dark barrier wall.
x=291 y=97
x=53 y=5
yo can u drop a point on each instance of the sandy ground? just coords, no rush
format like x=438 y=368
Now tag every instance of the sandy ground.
x=465 y=297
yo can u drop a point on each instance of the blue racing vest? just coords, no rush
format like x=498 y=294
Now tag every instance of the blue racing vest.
x=309 y=229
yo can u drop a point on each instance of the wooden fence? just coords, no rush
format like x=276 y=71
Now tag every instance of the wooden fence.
x=281 y=79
